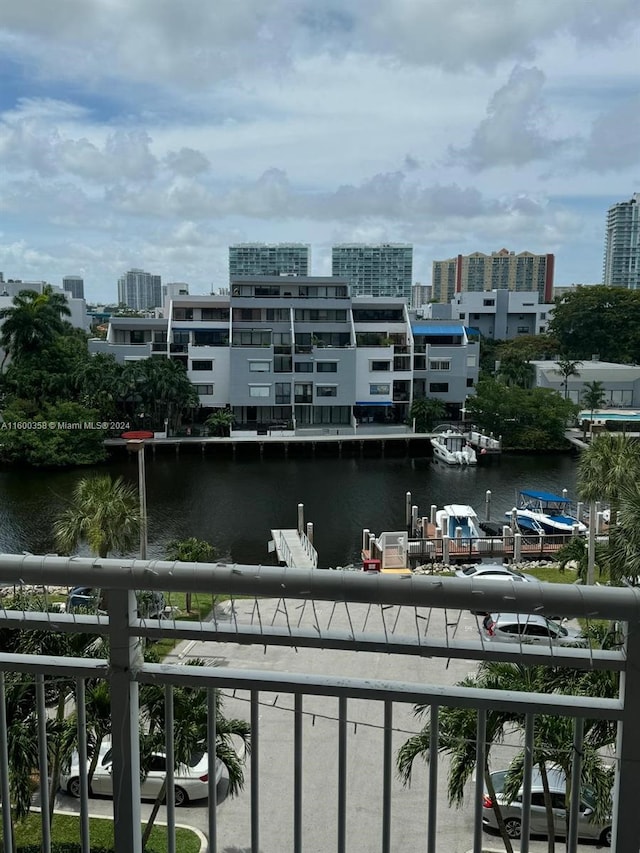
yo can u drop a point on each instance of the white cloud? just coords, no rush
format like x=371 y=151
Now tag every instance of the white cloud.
x=513 y=133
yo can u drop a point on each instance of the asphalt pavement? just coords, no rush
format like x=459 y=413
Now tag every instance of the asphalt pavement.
x=320 y=742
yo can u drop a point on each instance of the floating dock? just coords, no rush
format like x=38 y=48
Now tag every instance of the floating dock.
x=293 y=547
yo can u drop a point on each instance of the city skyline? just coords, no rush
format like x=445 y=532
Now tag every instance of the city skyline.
x=136 y=136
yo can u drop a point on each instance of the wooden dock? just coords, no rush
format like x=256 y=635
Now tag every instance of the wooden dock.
x=404 y=555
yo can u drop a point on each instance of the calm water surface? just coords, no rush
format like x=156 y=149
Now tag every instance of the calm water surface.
x=235 y=504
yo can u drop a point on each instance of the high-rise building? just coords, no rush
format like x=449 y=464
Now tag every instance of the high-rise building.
x=140 y=290
x=74 y=285
x=503 y=270
x=268 y=259
x=384 y=270
x=622 y=245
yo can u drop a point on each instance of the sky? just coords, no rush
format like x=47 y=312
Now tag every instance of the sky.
x=156 y=133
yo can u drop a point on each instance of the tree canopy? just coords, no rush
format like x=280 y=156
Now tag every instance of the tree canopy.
x=598 y=320
x=527 y=419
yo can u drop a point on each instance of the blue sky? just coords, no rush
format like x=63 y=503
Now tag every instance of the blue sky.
x=155 y=133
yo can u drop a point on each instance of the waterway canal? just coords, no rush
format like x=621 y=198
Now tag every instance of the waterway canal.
x=235 y=503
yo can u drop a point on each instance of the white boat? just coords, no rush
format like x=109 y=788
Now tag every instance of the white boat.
x=458 y=521
x=452 y=448
x=545 y=513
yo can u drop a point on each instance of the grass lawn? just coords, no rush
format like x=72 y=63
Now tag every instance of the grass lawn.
x=552 y=574
x=66 y=828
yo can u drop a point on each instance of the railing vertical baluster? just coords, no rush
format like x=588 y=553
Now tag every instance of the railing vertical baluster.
x=43 y=764
x=432 y=800
x=83 y=762
x=255 y=770
x=626 y=827
x=387 y=774
x=297 y=773
x=529 y=724
x=212 y=738
x=481 y=754
x=124 y=658
x=4 y=769
x=170 y=763
x=576 y=773
x=342 y=774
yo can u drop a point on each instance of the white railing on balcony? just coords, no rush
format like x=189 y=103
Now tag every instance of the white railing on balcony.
x=319 y=610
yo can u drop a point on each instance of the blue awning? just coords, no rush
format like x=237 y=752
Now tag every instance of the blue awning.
x=369 y=403
x=437 y=329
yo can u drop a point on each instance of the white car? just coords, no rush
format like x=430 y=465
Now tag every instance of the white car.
x=494 y=571
x=528 y=628
x=191 y=781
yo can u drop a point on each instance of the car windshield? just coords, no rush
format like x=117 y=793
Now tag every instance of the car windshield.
x=557 y=630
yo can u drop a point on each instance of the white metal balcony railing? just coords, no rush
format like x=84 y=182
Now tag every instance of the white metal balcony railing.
x=394 y=618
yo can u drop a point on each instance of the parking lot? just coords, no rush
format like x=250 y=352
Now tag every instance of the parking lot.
x=365 y=738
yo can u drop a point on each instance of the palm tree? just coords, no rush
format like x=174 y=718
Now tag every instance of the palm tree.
x=190 y=550
x=190 y=709
x=220 y=421
x=515 y=370
x=34 y=321
x=606 y=467
x=457 y=734
x=104 y=513
x=623 y=557
x=566 y=369
x=425 y=411
x=593 y=398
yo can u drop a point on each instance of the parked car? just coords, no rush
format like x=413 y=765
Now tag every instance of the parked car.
x=191 y=781
x=87 y=599
x=512 y=812
x=494 y=571
x=528 y=628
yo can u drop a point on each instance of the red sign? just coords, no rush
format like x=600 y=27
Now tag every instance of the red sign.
x=137 y=435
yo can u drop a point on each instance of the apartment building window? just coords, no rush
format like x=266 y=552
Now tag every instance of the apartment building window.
x=136 y=336
x=252 y=337
x=303 y=392
x=471 y=361
x=183 y=313
x=326 y=367
x=283 y=393
x=379 y=390
x=523 y=330
x=211 y=338
x=202 y=365
x=278 y=315
x=543 y=316
x=469 y=383
x=214 y=313
x=259 y=390
x=326 y=390
x=488 y=302
x=259 y=366
x=379 y=365
x=439 y=364
x=204 y=390
x=247 y=315
x=282 y=364
x=438 y=387
x=266 y=290
x=304 y=367
x=320 y=315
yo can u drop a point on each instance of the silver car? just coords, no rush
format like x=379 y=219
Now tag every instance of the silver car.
x=191 y=782
x=528 y=628
x=512 y=812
